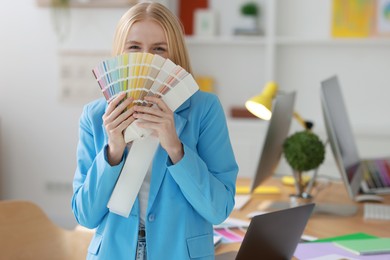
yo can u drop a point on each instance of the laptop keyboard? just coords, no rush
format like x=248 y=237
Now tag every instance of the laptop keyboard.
x=376 y=211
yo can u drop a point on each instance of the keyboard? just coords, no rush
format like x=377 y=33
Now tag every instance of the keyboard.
x=376 y=211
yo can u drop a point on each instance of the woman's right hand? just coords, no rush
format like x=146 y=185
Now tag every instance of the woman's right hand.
x=115 y=120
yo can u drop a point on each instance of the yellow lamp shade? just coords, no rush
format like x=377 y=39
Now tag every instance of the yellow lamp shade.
x=261 y=105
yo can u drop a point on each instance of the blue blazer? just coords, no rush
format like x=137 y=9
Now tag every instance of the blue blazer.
x=185 y=199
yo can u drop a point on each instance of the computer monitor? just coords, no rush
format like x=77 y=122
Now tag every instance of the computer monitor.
x=340 y=135
x=277 y=132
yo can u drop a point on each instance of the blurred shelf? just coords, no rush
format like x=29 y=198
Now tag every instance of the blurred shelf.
x=286 y=40
x=378 y=41
x=226 y=40
x=91 y=3
x=241 y=112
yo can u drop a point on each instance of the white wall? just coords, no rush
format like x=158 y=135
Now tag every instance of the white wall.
x=39 y=130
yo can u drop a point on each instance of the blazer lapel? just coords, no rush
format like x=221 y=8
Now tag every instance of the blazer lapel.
x=161 y=156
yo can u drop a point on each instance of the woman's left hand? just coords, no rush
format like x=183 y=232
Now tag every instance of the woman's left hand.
x=160 y=119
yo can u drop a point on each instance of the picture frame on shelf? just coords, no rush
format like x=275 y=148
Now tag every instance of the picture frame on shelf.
x=186 y=11
x=352 y=19
x=383 y=18
x=205 y=24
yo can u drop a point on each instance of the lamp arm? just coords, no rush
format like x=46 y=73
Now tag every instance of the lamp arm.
x=305 y=124
x=299 y=119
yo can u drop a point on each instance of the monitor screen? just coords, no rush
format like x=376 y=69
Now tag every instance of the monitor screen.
x=277 y=132
x=340 y=135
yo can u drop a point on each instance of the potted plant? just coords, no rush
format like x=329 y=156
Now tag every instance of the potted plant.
x=60 y=3
x=249 y=14
x=304 y=151
x=249 y=9
x=61 y=18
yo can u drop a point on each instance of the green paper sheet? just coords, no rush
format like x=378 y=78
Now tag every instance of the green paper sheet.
x=352 y=236
x=369 y=246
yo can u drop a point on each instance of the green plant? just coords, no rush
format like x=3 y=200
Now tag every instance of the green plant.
x=250 y=9
x=60 y=3
x=304 y=151
x=60 y=16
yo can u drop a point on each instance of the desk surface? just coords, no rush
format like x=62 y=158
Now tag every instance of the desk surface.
x=319 y=225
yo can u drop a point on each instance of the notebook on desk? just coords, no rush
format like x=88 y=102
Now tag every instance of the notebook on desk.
x=273 y=235
x=359 y=175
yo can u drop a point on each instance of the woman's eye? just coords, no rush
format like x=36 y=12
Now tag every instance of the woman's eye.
x=159 y=50
x=133 y=47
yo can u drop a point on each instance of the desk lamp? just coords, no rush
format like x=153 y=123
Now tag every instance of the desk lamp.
x=261 y=105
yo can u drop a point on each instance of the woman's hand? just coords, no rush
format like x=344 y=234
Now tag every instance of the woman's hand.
x=115 y=121
x=160 y=119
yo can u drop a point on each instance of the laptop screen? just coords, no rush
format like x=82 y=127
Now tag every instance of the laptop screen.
x=340 y=135
x=272 y=235
x=275 y=235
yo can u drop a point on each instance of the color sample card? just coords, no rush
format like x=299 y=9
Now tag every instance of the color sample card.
x=139 y=75
x=142 y=75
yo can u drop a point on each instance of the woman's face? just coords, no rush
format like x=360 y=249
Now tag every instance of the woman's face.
x=147 y=36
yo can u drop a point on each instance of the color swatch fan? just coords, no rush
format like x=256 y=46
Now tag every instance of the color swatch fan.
x=144 y=74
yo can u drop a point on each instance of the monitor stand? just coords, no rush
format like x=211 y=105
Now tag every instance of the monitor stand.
x=306 y=197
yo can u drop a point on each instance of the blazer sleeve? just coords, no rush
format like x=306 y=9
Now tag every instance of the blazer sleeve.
x=207 y=173
x=94 y=178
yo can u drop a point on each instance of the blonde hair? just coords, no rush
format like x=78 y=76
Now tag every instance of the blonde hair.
x=173 y=29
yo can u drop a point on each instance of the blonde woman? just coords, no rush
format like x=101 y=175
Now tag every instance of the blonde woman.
x=191 y=183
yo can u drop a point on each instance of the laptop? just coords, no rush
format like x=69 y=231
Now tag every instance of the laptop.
x=370 y=176
x=273 y=235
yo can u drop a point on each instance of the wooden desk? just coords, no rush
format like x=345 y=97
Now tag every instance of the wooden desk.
x=319 y=225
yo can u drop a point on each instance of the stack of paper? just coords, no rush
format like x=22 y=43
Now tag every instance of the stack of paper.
x=231 y=230
x=356 y=246
x=241 y=201
x=217 y=240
